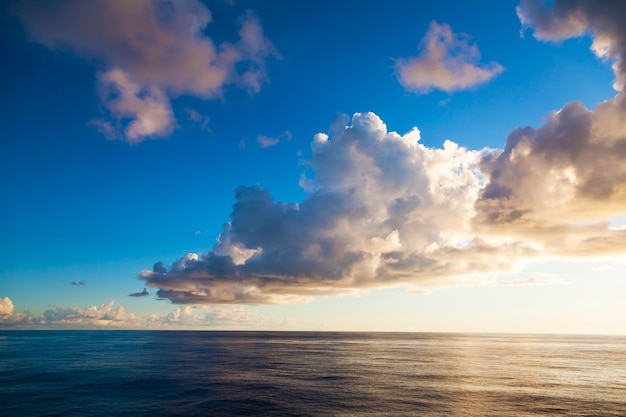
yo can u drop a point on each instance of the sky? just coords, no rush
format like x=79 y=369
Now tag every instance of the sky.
x=333 y=165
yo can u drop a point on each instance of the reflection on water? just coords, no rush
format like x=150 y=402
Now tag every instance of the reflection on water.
x=290 y=373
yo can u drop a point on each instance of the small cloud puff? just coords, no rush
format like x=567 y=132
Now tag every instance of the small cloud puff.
x=447 y=61
x=79 y=283
x=266 y=141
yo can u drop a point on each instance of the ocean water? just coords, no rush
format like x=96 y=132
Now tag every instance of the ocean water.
x=167 y=373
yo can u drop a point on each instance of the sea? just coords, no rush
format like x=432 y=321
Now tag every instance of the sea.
x=214 y=373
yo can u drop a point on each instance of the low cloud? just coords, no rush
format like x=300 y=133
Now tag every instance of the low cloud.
x=447 y=61
x=79 y=283
x=151 y=52
x=103 y=316
x=232 y=318
x=109 y=316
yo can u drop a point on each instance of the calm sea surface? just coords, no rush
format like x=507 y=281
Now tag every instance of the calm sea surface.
x=145 y=373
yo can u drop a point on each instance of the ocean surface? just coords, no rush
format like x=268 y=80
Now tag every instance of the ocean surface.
x=170 y=373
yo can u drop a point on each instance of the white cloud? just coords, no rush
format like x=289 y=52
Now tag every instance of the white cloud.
x=383 y=210
x=152 y=51
x=103 y=316
x=266 y=142
x=447 y=61
x=6 y=307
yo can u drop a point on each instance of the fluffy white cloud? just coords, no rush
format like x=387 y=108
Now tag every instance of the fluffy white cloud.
x=447 y=61
x=152 y=51
x=8 y=316
x=103 y=316
x=384 y=211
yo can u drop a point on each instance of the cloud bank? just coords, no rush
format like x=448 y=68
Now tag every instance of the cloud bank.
x=150 y=51
x=103 y=316
x=108 y=316
x=383 y=210
x=447 y=61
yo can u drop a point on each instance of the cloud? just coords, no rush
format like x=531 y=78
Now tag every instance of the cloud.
x=188 y=316
x=103 y=316
x=79 y=283
x=109 y=316
x=562 y=184
x=202 y=120
x=139 y=294
x=603 y=20
x=151 y=52
x=536 y=279
x=447 y=61
x=383 y=210
x=266 y=141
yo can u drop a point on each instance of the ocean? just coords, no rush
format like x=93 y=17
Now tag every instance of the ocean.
x=207 y=373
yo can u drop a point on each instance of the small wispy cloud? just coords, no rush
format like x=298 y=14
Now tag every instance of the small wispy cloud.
x=79 y=283
x=139 y=294
x=266 y=141
x=447 y=61
x=201 y=119
x=533 y=280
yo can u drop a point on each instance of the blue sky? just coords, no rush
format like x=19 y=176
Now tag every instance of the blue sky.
x=128 y=129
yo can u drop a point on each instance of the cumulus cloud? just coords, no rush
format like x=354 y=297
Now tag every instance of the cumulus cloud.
x=103 y=316
x=110 y=316
x=603 y=20
x=563 y=183
x=447 y=61
x=8 y=316
x=383 y=210
x=151 y=51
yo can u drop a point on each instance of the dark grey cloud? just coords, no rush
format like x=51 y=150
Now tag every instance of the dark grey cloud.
x=139 y=294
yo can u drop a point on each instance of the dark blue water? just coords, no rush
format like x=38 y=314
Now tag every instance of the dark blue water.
x=145 y=373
